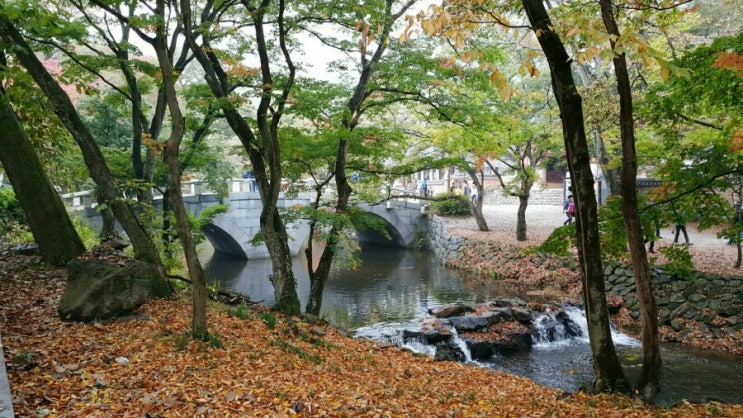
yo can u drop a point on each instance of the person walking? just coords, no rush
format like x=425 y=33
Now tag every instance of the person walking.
x=569 y=210
x=424 y=188
x=653 y=210
x=680 y=220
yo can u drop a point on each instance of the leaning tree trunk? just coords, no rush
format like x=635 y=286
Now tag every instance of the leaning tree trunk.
x=322 y=270
x=482 y=224
x=608 y=373
x=45 y=213
x=144 y=248
x=320 y=275
x=650 y=377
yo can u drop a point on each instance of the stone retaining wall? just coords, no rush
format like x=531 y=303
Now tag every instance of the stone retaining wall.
x=440 y=242
x=710 y=299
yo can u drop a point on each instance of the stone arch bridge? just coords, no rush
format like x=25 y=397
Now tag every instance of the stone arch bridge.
x=232 y=231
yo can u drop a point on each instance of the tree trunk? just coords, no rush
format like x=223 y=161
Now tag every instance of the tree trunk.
x=317 y=287
x=196 y=273
x=144 y=248
x=263 y=149
x=319 y=276
x=166 y=226
x=45 y=213
x=277 y=242
x=608 y=373
x=482 y=224
x=611 y=175
x=521 y=218
x=526 y=185
x=650 y=377
x=108 y=222
x=478 y=184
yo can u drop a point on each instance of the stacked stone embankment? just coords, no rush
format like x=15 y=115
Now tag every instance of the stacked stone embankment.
x=713 y=301
x=443 y=244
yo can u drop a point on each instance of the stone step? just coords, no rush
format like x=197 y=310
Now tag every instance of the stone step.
x=537 y=197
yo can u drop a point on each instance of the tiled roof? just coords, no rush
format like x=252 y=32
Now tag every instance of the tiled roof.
x=647 y=182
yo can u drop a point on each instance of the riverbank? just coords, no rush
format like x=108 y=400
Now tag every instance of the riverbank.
x=265 y=365
x=494 y=255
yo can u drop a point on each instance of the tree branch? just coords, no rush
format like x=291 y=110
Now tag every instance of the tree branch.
x=699 y=122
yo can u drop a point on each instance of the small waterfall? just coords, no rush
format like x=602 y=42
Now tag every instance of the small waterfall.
x=405 y=335
x=459 y=343
x=409 y=336
x=562 y=327
x=550 y=329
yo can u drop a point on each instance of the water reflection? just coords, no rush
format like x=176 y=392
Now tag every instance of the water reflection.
x=391 y=285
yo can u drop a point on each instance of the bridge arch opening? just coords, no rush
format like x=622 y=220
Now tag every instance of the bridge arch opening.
x=223 y=242
x=375 y=237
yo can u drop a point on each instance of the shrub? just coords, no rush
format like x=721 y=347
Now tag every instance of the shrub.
x=269 y=319
x=679 y=263
x=13 y=228
x=451 y=204
x=87 y=234
x=10 y=208
x=559 y=242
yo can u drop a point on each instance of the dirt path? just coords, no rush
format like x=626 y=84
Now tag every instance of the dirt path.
x=709 y=252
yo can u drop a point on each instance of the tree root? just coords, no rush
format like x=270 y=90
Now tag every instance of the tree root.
x=221 y=296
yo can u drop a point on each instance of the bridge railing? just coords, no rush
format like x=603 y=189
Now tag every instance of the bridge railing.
x=80 y=199
x=87 y=198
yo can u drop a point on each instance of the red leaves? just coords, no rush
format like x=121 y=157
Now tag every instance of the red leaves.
x=736 y=141
x=730 y=61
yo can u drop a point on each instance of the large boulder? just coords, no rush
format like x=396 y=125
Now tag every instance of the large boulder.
x=448 y=311
x=469 y=323
x=100 y=289
x=482 y=347
x=445 y=351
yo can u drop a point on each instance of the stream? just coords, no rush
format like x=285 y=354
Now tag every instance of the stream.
x=394 y=287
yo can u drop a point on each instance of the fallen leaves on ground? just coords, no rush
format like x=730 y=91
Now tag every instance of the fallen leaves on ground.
x=147 y=367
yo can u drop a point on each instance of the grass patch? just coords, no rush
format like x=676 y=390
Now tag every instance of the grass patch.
x=290 y=348
x=269 y=319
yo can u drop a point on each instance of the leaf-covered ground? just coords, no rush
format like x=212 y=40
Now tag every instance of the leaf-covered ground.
x=144 y=367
